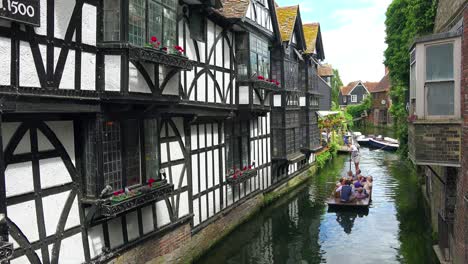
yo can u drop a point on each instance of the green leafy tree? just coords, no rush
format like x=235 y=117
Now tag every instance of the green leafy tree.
x=336 y=84
x=405 y=20
x=356 y=110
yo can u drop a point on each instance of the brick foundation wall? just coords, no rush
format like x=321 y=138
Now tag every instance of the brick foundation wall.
x=434 y=142
x=461 y=214
x=180 y=246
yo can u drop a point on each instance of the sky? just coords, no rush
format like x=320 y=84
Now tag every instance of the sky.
x=353 y=34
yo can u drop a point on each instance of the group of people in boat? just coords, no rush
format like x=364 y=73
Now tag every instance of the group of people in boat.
x=354 y=186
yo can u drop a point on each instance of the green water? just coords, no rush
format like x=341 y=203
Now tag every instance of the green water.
x=300 y=229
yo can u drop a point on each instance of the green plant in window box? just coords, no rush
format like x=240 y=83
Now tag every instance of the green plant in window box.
x=122 y=195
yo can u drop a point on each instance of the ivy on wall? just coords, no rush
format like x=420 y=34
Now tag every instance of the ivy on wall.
x=405 y=20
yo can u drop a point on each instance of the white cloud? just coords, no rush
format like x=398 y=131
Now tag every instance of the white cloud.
x=356 y=47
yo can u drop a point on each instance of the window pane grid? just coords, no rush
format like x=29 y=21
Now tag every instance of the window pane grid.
x=112 y=20
x=112 y=158
x=136 y=27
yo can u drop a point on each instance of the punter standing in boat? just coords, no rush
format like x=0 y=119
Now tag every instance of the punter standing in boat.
x=355 y=157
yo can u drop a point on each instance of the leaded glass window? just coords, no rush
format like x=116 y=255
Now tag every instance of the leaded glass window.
x=259 y=56
x=112 y=20
x=136 y=23
x=146 y=18
x=237 y=145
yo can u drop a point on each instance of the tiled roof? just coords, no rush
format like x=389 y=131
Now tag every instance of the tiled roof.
x=384 y=85
x=325 y=70
x=310 y=33
x=234 y=8
x=286 y=20
x=346 y=89
x=370 y=86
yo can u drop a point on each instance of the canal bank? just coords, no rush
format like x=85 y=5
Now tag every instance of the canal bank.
x=299 y=229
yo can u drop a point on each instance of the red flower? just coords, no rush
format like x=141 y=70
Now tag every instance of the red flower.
x=260 y=77
x=165 y=48
x=267 y=80
x=151 y=181
x=116 y=193
x=277 y=83
x=235 y=176
x=154 y=39
x=250 y=167
x=245 y=168
x=272 y=81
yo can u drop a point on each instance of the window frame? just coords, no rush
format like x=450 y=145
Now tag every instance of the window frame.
x=420 y=103
x=124 y=26
x=234 y=138
x=99 y=177
x=353 y=98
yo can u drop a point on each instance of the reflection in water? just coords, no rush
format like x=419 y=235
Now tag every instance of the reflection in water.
x=299 y=229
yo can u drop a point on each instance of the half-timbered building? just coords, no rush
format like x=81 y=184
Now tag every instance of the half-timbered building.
x=288 y=66
x=124 y=120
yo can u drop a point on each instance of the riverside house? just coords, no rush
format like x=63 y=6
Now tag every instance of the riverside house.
x=144 y=130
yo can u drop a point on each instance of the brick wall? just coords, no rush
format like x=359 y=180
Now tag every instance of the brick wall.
x=180 y=246
x=461 y=214
x=447 y=13
x=434 y=142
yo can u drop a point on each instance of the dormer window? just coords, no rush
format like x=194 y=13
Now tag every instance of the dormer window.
x=145 y=18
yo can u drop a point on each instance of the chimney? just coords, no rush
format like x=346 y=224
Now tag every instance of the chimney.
x=386 y=70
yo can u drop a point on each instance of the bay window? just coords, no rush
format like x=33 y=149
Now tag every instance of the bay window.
x=128 y=150
x=146 y=18
x=435 y=77
x=253 y=56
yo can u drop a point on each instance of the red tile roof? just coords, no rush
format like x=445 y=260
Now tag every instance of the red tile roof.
x=234 y=8
x=325 y=70
x=384 y=85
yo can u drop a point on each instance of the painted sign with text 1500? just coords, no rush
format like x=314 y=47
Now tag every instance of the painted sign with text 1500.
x=22 y=11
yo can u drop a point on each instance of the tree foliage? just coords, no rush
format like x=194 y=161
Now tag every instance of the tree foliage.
x=405 y=20
x=336 y=84
x=356 y=110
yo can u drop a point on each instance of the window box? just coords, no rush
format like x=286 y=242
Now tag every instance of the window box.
x=153 y=55
x=119 y=204
x=6 y=250
x=242 y=177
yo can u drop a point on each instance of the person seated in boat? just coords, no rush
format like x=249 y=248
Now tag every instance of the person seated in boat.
x=350 y=175
x=346 y=193
x=358 y=174
x=339 y=184
x=360 y=194
x=358 y=183
x=368 y=185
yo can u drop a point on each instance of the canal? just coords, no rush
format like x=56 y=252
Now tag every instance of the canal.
x=299 y=229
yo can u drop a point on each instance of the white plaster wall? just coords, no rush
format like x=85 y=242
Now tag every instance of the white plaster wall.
x=219 y=47
x=211 y=89
x=162 y=213
x=132 y=226
x=68 y=75
x=147 y=219
x=112 y=72
x=183 y=204
x=195 y=175
x=28 y=72
x=42 y=30
x=53 y=206
x=227 y=54
x=243 y=94
x=63 y=13
x=172 y=86
x=89 y=25
x=71 y=250
x=277 y=100
x=201 y=86
x=201 y=50
x=115 y=232
x=18 y=179
x=95 y=240
x=5 y=61
x=136 y=81
x=211 y=31
x=196 y=213
x=88 y=71
x=53 y=172
x=65 y=133
x=28 y=225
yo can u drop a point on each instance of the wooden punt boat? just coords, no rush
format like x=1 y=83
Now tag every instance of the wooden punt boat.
x=336 y=203
x=383 y=144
